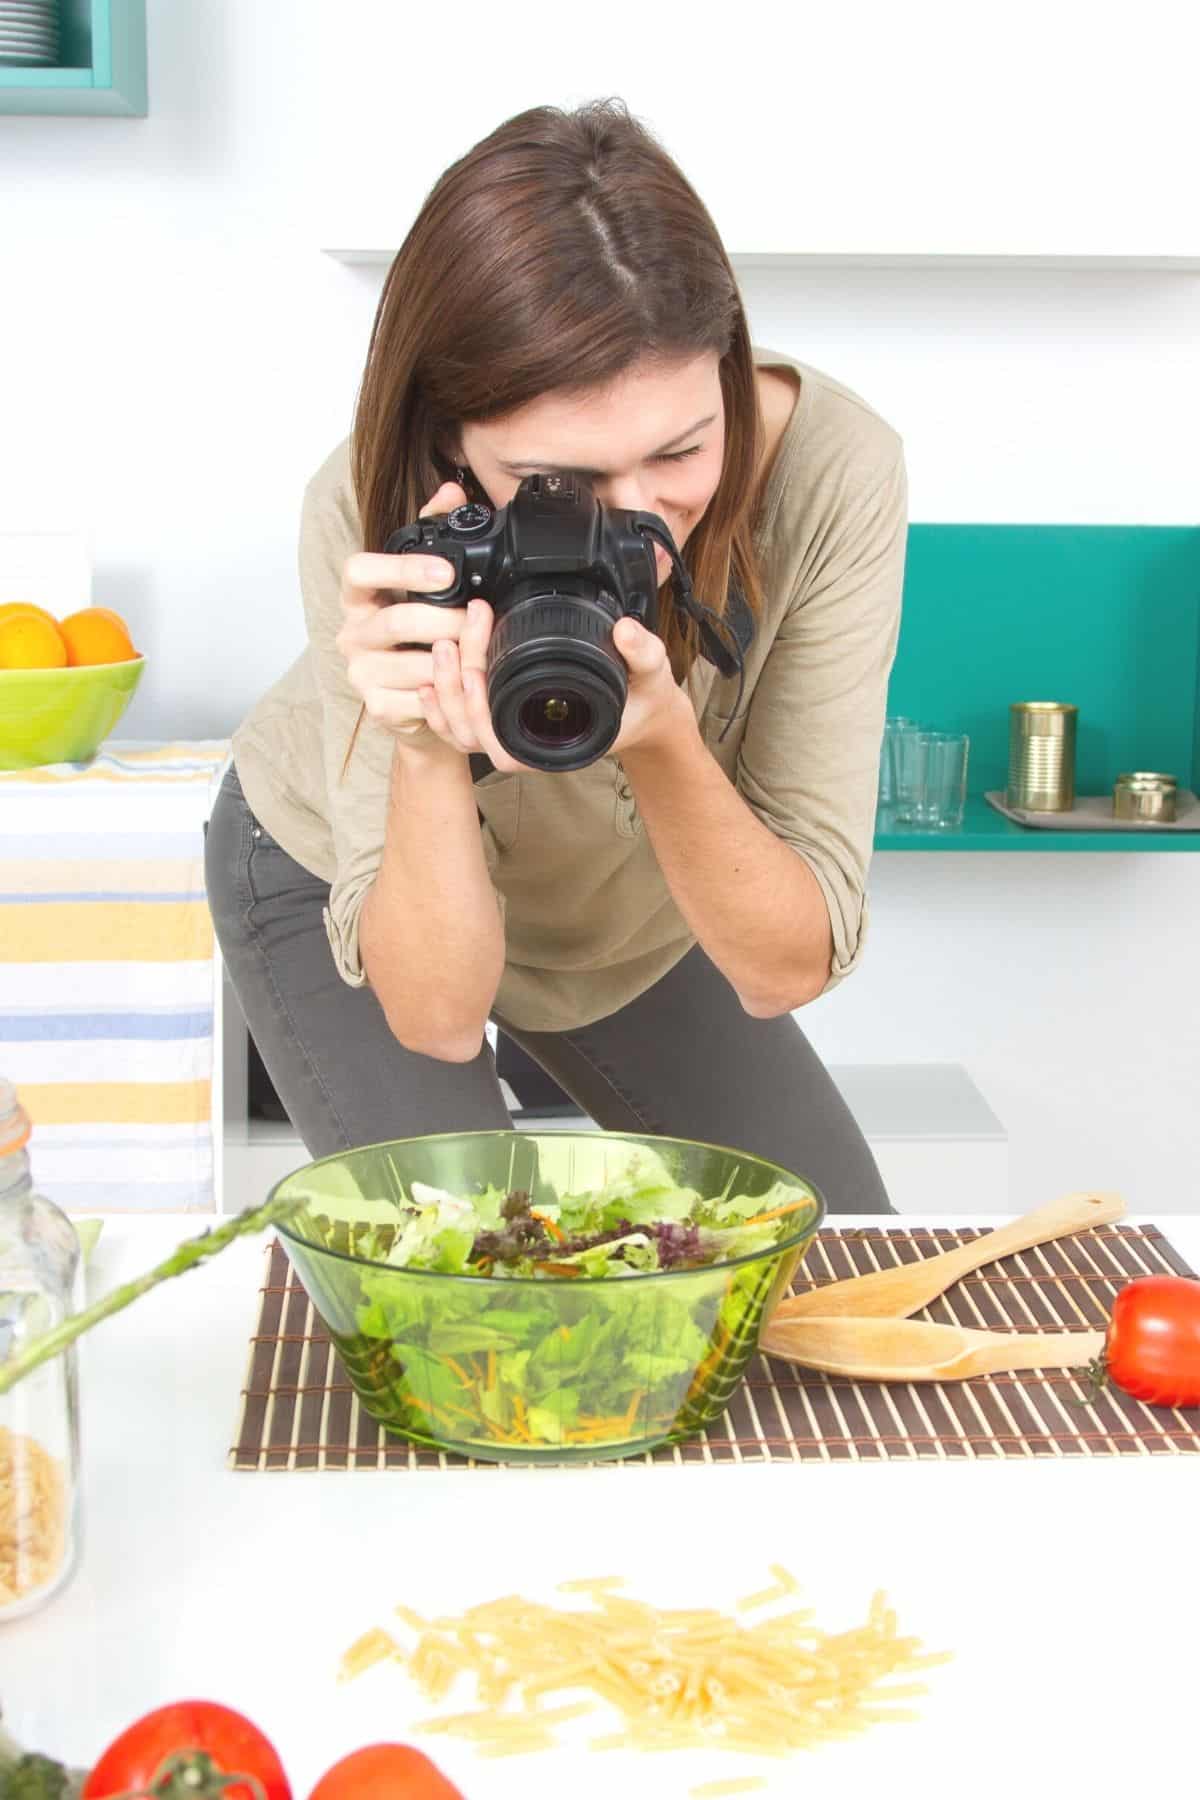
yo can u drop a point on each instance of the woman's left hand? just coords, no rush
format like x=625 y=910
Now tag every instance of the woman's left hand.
x=456 y=707
x=656 y=705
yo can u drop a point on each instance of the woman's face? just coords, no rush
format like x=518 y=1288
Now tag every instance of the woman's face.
x=652 y=441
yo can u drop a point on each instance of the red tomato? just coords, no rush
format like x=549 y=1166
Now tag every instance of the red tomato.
x=190 y=1749
x=1153 y=1344
x=384 y=1772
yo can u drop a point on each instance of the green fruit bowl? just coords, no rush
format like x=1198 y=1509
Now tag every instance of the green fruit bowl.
x=62 y=715
x=557 y=1366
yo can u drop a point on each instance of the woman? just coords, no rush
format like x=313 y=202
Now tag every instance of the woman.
x=385 y=878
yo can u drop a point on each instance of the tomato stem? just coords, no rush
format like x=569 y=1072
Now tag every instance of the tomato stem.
x=193 y=1775
x=1097 y=1377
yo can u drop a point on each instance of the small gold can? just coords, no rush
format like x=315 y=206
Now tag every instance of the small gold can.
x=1041 y=755
x=1145 y=795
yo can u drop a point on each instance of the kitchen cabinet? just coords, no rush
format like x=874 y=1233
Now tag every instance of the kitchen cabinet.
x=1104 y=616
x=1056 y=135
x=103 y=68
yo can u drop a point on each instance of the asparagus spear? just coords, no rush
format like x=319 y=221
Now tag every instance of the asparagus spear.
x=189 y=1253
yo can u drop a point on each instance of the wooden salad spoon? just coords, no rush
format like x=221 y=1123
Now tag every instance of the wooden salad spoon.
x=894 y=1293
x=911 y=1350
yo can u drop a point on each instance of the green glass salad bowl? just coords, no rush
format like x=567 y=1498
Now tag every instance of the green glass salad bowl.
x=546 y=1297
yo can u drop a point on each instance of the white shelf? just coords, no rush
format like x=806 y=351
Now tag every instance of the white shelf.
x=917 y=1103
x=374 y=256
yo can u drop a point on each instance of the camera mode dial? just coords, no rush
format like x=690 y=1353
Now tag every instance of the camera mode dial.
x=469 y=520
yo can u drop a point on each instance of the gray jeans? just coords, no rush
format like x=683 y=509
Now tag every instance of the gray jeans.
x=682 y=1060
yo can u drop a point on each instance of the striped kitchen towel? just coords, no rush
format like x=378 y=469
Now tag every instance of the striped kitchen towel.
x=107 y=973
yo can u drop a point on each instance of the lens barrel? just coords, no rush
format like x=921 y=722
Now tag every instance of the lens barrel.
x=556 y=682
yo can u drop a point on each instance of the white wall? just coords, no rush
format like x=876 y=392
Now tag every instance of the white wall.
x=178 y=356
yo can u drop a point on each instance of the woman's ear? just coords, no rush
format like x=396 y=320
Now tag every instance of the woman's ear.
x=468 y=483
x=447 y=453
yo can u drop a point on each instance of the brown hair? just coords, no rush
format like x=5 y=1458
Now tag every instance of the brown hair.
x=561 y=250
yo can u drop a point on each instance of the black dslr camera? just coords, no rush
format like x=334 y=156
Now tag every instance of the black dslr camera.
x=559 y=570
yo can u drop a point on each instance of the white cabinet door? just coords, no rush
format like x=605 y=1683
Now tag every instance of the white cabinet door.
x=1058 y=131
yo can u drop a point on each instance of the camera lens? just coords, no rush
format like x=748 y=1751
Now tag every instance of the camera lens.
x=556 y=682
x=555 y=718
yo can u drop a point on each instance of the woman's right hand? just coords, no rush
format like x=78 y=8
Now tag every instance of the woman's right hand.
x=390 y=680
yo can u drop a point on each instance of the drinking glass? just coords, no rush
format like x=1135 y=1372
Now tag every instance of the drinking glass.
x=887 y=759
x=941 y=759
x=907 y=754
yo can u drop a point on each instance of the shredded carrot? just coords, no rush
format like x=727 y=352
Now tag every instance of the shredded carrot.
x=639 y=1394
x=524 y=1435
x=551 y=1226
x=434 y=1412
x=491 y=1372
x=466 y=1379
x=776 y=1212
x=711 y=1361
x=460 y=1412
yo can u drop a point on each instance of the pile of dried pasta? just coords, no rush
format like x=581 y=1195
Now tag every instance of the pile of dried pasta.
x=678 y=1680
x=32 y=1516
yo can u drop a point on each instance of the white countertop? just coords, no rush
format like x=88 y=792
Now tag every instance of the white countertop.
x=1069 y=1589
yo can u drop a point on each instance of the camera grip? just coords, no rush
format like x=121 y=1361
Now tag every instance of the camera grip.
x=416 y=540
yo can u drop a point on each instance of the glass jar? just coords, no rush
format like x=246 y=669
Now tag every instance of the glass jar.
x=40 y=1284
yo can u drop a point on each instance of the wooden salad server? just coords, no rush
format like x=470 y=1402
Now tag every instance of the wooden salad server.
x=894 y=1293
x=911 y=1350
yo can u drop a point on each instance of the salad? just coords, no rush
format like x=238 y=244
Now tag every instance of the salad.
x=549 y=1339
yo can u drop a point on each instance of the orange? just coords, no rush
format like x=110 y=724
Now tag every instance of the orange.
x=31 y=640
x=13 y=607
x=97 y=635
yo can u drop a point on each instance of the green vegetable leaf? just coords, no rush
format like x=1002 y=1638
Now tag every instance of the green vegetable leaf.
x=555 y=1415
x=37 y=1778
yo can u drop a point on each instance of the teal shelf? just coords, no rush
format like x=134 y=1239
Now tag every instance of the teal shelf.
x=103 y=69
x=983 y=828
x=1105 y=616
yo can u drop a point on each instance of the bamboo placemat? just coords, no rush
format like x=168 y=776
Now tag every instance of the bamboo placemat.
x=298 y=1410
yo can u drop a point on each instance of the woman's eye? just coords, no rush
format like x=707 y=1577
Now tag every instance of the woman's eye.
x=669 y=456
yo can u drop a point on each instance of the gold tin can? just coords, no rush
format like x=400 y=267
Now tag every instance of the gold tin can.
x=1143 y=795
x=1041 y=755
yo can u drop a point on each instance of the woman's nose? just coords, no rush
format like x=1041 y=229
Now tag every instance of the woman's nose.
x=628 y=492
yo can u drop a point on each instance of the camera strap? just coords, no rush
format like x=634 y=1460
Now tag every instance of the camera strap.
x=721 y=640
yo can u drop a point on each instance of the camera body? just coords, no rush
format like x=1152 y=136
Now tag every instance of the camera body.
x=559 y=570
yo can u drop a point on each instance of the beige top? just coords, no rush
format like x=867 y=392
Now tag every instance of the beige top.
x=589 y=920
